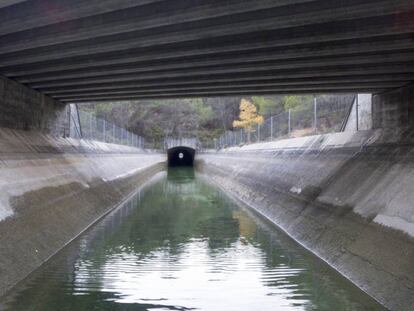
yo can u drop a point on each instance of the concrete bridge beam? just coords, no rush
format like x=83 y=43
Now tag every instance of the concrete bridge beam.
x=146 y=45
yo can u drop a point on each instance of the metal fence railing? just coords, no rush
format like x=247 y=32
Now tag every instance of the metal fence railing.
x=315 y=118
x=86 y=126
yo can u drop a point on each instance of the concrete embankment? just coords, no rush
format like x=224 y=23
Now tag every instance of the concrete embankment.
x=52 y=189
x=347 y=197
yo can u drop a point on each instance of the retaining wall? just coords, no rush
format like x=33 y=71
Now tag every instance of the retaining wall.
x=52 y=189
x=26 y=109
x=348 y=197
x=393 y=108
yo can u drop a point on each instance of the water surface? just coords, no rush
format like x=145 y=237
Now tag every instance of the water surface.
x=181 y=244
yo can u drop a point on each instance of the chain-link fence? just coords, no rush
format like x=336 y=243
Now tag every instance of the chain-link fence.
x=314 y=118
x=86 y=126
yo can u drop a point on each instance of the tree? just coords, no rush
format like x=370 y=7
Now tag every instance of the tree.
x=296 y=102
x=268 y=105
x=248 y=117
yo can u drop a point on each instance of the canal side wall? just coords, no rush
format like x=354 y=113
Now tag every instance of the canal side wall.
x=347 y=197
x=52 y=189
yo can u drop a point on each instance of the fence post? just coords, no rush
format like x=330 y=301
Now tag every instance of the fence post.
x=113 y=133
x=289 y=125
x=104 y=130
x=356 y=112
x=271 y=128
x=315 y=118
x=79 y=121
x=258 y=132
x=90 y=126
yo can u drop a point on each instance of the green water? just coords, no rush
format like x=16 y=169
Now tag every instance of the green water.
x=181 y=244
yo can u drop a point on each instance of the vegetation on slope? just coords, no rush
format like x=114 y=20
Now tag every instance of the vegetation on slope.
x=206 y=118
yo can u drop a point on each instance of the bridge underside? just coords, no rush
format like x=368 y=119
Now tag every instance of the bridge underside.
x=77 y=51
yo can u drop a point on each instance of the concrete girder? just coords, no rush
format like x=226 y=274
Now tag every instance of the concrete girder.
x=200 y=65
x=269 y=49
x=32 y=14
x=241 y=90
x=159 y=14
x=151 y=85
x=250 y=71
x=363 y=27
x=159 y=96
x=79 y=50
x=5 y=3
x=108 y=89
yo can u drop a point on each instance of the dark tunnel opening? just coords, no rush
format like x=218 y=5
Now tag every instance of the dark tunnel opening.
x=181 y=156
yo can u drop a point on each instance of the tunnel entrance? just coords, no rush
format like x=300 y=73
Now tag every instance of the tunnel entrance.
x=181 y=156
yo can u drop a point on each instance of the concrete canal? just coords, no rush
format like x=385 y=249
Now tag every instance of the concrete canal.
x=182 y=244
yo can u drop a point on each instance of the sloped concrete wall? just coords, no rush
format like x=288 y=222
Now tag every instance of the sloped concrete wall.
x=348 y=197
x=52 y=189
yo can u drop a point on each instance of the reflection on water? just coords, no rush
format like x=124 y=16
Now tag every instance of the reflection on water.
x=181 y=244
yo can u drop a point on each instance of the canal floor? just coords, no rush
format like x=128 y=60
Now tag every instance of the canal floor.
x=182 y=244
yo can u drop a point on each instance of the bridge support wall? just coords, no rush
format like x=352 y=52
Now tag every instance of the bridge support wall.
x=26 y=109
x=394 y=108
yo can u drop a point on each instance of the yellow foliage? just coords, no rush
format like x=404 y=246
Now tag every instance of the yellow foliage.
x=248 y=116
